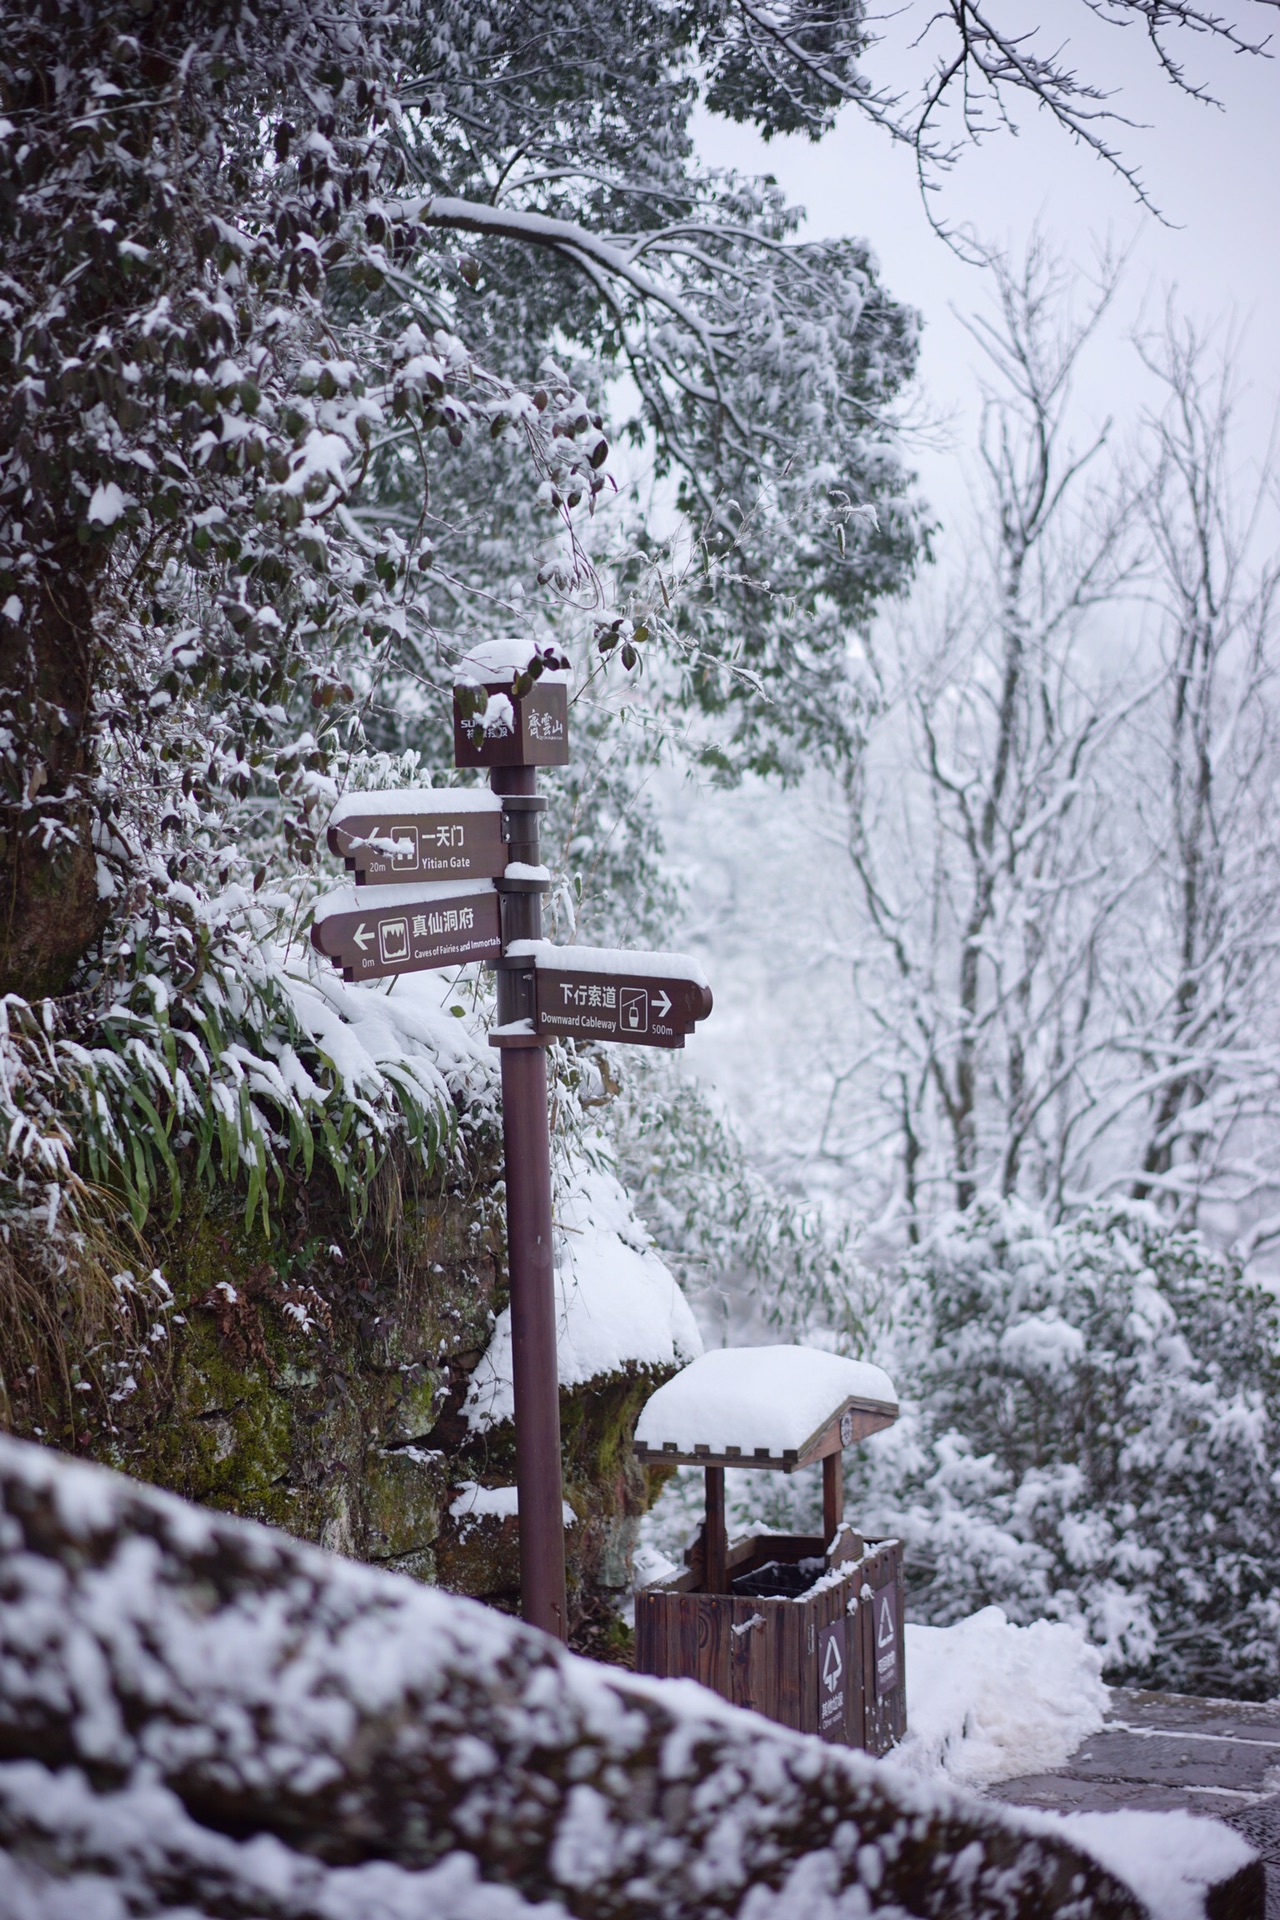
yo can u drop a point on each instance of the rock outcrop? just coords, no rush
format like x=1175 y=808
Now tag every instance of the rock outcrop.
x=202 y=1717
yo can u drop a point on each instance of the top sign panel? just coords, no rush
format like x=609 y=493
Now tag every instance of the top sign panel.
x=531 y=731
x=449 y=842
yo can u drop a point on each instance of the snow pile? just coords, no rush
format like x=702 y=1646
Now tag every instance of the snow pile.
x=987 y=1701
x=624 y=960
x=1170 y=1859
x=203 y=1717
x=405 y=802
x=378 y=1044
x=770 y=1399
x=502 y=658
x=617 y=1305
x=349 y=898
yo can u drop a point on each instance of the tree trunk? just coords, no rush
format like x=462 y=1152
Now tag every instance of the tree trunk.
x=51 y=910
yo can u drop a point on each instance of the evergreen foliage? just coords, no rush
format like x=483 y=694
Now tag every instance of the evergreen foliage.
x=279 y=444
x=748 y=1253
x=1089 y=1431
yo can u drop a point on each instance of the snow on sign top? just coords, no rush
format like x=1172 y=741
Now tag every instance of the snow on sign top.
x=494 y=660
x=425 y=893
x=405 y=801
x=624 y=960
x=783 y=1405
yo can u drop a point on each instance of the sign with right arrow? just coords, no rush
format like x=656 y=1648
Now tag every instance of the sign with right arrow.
x=599 y=993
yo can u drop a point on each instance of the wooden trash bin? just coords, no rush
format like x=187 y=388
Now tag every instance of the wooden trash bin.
x=806 y=1629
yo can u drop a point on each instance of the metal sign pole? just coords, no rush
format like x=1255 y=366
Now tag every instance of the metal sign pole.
x=440 y=881
x=527 y=1149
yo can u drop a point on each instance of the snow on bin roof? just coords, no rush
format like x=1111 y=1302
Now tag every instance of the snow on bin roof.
x=765 y=1407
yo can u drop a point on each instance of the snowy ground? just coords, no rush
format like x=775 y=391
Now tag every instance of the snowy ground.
x=988 y=1701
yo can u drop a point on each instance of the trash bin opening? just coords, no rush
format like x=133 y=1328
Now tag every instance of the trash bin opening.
x=779 y=1579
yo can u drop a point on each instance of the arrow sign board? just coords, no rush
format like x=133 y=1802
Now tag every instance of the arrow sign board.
x=602 y=993
x=419 y=833
x=406 y=929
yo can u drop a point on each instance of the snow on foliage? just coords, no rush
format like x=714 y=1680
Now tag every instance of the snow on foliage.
x=748 y=1254
x=1089 y=1432
x=201 y=1716
x=277 y=452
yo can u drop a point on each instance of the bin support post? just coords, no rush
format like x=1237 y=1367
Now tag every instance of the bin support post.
x=527 y=1147
x=717 y=1573
x=832 y=1494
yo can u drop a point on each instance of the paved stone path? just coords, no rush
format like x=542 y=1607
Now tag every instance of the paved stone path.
x=1166 y=1750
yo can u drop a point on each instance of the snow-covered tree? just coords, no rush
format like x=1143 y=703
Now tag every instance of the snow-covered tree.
x=980 y=827
x=253 y=385
x=1201 y=977
x=1089 y=1431
x=1061 y=827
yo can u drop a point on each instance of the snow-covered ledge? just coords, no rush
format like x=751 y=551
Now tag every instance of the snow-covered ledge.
x=618 y=1308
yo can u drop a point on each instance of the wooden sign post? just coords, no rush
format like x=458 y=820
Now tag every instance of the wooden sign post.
x=446 y=876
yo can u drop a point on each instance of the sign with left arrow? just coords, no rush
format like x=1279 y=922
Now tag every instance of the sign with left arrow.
x=385 y=930
x=419 y=833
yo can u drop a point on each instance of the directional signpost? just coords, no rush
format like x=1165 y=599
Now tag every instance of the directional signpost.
x=444 y=876
x=404 y=929
x=423 y=833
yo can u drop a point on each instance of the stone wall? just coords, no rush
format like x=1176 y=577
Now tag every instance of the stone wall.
x=314 y=1378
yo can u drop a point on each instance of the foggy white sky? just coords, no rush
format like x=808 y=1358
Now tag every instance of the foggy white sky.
x=755 y=861
x=1213 y=172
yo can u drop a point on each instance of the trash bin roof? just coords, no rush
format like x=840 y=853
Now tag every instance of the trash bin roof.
x=779 y=1407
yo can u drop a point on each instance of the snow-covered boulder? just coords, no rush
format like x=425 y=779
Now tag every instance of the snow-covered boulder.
x=200 y=1716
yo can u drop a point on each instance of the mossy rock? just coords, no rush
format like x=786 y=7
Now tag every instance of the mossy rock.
x=316 y=1376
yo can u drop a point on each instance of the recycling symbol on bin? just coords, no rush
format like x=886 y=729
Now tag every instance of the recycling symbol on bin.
x=885 y=1636
x=832 y=1665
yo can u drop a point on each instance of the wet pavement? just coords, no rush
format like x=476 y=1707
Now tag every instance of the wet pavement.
x=1160 y=1751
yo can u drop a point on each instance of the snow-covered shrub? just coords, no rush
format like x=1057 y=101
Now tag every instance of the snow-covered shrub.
x=1090 y=1423
x=746 y=1252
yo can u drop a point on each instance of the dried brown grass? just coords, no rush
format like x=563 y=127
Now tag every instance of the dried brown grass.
x=77 y=1309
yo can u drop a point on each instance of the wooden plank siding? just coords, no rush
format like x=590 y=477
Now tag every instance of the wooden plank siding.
x=762 y=1653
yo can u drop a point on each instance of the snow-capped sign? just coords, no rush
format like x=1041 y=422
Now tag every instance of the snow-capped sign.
x=419 y=833
x=386 y=930
x=507 y=729
x=511 y=705
x=830 y=1669
x=607 y=993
